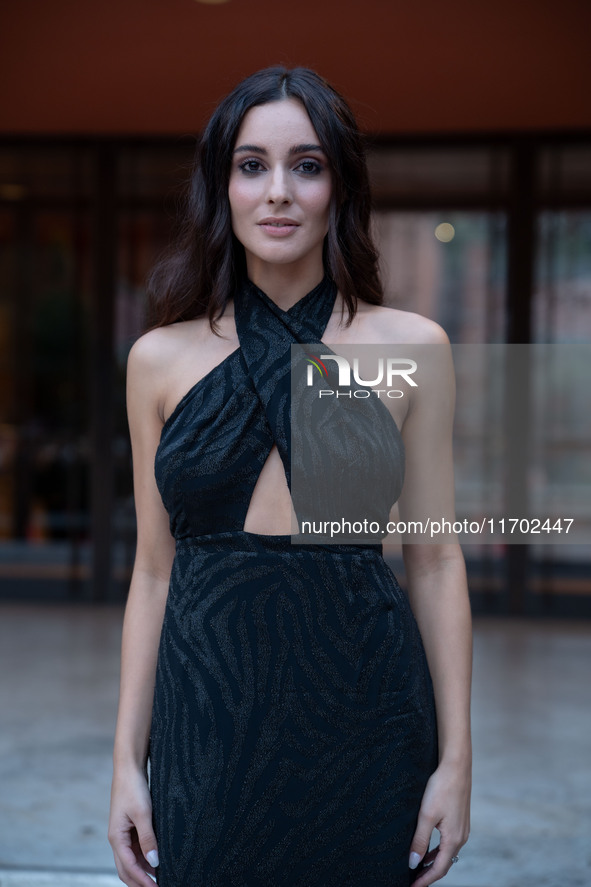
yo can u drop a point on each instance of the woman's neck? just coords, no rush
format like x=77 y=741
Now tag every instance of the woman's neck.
x=285 y=284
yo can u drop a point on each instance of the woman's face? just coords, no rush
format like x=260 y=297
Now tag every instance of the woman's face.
x=280 y=187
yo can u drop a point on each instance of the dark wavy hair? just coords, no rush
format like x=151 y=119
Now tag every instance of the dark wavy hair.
x=201 y=271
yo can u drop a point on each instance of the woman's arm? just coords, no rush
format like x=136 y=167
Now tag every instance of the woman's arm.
x=438 y=593
x=130 y=823
x=437 y=588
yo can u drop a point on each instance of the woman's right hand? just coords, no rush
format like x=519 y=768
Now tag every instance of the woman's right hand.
x=131 y=835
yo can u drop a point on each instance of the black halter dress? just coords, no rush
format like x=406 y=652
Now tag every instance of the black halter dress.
x=293 y=727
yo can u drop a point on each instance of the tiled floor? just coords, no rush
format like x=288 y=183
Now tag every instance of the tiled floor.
x=532 y=762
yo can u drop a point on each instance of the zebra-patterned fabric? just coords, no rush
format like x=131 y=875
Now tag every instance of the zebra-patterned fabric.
x=293 y=727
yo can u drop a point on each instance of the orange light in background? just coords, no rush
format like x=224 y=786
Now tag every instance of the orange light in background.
x=12 y=192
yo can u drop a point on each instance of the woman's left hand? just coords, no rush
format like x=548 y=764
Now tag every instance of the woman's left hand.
x=446 y=807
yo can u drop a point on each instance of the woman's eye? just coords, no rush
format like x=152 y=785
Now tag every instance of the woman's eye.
x=310 y=167
x=250 y=166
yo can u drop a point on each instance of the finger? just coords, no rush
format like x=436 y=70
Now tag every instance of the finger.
x=147 y=844
x=148 y=859
x=143 y=838
x=421 y=840
x=438 y=863
x=130 y=871
x=132 y=867
x=430 y=857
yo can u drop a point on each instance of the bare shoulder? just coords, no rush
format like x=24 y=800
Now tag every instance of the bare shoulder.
x=168 y=361
x=381 y=324
x=157 y=349
x=157 y=358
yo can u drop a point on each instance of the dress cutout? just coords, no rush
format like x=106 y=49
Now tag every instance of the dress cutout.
x=293 y=727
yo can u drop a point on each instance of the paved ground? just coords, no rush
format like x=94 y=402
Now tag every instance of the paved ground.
x=40 y=878
x=532 y=769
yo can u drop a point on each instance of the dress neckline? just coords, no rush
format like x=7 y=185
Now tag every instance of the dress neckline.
x=319 y=292
x=305 y=320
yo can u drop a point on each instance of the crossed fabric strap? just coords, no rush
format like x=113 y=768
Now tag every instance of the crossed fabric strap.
x=342 y=455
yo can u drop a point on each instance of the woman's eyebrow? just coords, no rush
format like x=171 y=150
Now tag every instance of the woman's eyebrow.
x=295 y=149
x=303 y=149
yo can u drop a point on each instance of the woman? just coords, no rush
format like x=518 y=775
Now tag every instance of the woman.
x=279 y=689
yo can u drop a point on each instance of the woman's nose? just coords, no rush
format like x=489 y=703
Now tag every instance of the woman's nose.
x=279 y=190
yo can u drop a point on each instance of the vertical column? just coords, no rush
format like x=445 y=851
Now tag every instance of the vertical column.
x=102 y=373
x=520 y=282
x=21 y=409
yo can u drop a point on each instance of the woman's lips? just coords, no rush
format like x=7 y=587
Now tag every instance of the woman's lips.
x=278 y=227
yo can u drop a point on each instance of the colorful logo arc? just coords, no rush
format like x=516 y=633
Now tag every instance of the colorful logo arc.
x=320 y=366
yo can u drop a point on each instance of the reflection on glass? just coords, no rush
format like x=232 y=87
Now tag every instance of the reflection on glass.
x=562 y=305
x=460 y=284
x=562 y=314
x=45 y=445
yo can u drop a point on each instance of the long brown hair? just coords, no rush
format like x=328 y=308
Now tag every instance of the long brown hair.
x=201 y=271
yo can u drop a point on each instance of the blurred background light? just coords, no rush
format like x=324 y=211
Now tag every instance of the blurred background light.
x=445 y=232
x=12 y=192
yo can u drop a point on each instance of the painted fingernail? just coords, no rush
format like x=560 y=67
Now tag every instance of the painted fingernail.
x=414 y=860
x=152 y=858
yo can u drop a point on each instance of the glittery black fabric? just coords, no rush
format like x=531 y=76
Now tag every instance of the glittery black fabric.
x=293 y=727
